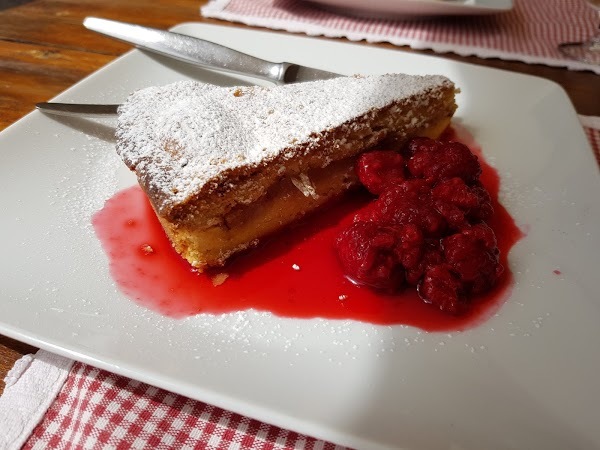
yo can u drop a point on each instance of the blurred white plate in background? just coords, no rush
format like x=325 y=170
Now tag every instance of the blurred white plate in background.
x=392 y=9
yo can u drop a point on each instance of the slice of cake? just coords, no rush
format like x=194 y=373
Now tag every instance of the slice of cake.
x=225 y=166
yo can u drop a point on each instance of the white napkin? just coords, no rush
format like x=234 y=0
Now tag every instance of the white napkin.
x=31 y=387
x=590 y=121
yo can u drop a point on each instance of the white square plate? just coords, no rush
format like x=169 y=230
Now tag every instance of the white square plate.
x=526 y=378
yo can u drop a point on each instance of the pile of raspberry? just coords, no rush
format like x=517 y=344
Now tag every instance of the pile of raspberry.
x=426 y=227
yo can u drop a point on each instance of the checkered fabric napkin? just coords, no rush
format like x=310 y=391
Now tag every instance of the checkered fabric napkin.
x=98 y=409
x=530 y=32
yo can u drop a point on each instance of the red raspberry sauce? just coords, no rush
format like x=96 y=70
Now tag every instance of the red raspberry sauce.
x=295 y=274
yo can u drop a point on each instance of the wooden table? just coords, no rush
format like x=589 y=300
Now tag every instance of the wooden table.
x=44 y=49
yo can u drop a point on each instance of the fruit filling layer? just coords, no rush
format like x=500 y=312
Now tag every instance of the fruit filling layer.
x=426 y=227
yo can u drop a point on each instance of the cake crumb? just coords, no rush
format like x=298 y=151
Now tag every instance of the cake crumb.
x=147 y=249
x=238 y=93
x=219 y=279
x=295 y=267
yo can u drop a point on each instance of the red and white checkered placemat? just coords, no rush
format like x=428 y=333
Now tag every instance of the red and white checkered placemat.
x=98 y=409
x=530 y=32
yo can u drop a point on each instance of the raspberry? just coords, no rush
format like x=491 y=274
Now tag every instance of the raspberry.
x=473 y=256
x=413 y=187
x=432 y=256
x=456 y=202
x=426 y=227
x=484 y=234
x=442 y=288
x=409 y=246
x=437 y=161
x=455 y=191
x=454 y=216
x=369 y=213
x=410 y=203
x=366 y=252
x=484 y=209
x=380 y=168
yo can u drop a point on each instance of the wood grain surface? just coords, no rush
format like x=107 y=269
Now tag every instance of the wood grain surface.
x=44 y=49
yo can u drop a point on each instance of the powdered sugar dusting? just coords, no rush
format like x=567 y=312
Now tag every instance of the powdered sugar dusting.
x=182 y=136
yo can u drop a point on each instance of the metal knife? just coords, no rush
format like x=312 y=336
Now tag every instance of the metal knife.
x=78 y=109
x=189 y=49
x=204 y=53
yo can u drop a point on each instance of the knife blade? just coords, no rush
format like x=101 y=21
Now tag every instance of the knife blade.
x=204 y=53
x=78 y=109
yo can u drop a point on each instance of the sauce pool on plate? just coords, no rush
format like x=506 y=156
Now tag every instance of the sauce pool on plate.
x=294 y=274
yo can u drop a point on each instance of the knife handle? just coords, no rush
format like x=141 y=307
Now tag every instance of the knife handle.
x=189 y=49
